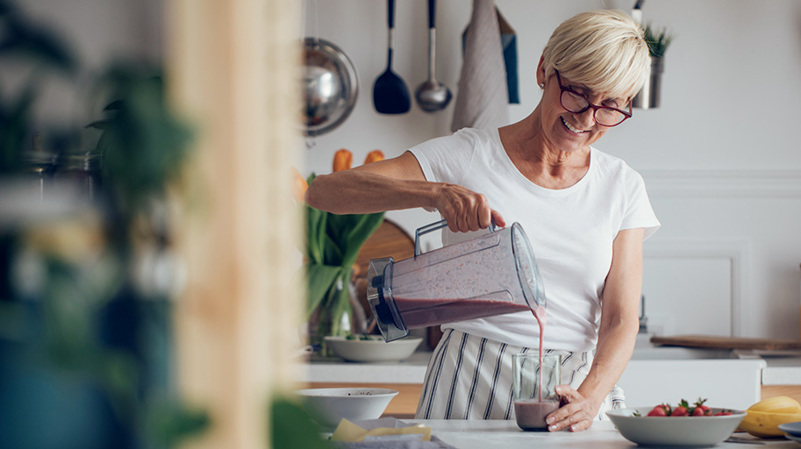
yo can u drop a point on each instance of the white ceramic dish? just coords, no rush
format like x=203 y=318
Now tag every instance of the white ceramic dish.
x=688 y=431
x=792 y=428
x=373 y=350
x=329 y=405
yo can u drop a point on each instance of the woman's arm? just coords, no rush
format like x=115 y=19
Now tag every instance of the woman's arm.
x=616 y=335
x=395 y=184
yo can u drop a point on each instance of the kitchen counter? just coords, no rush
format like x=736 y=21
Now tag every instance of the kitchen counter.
x=506 y=434
x=679 y=373
x=783 y=368
x=779 y=368
x=333 y=369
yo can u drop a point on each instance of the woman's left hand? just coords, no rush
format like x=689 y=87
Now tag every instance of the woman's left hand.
x=577 y=413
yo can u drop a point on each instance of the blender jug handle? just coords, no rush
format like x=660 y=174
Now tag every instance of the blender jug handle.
x=433 y=227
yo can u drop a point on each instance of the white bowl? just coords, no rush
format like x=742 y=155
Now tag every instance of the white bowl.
x=373 y=350
x=329 y=405
x=695 y=431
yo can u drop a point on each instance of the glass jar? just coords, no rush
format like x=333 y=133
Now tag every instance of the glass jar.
x=82 y=169
x=38 y=169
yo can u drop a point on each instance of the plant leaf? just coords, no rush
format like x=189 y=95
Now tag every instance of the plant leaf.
x=315 y=235
x=319 y=280
x=349 y=232
x=332 y=253
x=143 y=141
x=358 y=234
x=291 y=426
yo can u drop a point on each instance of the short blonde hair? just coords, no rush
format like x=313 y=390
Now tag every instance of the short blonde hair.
x=604 y=50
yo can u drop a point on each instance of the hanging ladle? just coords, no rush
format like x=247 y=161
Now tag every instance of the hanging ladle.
x=432 y=95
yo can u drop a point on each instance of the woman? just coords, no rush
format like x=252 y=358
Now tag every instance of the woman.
x=585 y=212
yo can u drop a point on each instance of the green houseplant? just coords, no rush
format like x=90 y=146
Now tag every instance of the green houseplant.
x=658 y=40
x=332 y=245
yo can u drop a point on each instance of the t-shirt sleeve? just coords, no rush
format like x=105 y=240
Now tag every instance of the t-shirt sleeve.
x=446 y=159
x=639 y=213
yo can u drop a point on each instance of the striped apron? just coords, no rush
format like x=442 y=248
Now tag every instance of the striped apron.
x=470 y=377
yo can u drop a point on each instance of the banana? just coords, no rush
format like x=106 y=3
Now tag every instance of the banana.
x=777 y=404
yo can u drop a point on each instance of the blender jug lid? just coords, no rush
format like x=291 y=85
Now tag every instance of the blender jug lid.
x=527 y=271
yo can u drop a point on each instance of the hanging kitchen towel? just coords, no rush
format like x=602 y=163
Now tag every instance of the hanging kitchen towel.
x=509 y=44
x=482 y=98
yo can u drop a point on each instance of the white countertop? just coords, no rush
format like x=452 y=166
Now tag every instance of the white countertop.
x=781 y=369
x=505 y=434
x=408 y=371
x=784 y=368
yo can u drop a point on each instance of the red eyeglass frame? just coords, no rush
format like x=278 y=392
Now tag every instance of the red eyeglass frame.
x=626 y=115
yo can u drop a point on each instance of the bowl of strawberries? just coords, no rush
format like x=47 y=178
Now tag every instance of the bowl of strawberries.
x=682 y=424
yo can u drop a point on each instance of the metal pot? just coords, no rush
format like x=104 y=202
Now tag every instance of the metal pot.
x=330 y=86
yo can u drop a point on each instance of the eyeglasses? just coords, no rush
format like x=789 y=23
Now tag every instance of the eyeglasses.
x=577 y=103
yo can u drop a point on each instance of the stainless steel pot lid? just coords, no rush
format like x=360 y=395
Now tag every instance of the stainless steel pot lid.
x=330 y=86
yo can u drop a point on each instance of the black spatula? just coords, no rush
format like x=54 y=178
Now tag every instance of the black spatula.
x=390 y=94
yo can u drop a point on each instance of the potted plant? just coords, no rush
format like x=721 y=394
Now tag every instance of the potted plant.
x=332 y=245
x=658 y=42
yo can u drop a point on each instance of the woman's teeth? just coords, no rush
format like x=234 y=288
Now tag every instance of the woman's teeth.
x=575 y=130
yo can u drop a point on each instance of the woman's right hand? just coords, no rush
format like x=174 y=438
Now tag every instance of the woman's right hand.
x=465 y=210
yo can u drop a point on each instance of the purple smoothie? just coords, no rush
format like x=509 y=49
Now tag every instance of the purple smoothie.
x=429 y=312
x=530 y=413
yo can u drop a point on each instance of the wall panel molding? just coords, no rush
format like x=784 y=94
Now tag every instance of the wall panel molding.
x=723 y=183
x=736 y=252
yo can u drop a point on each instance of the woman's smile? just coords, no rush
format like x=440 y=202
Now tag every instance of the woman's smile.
x=573 y=129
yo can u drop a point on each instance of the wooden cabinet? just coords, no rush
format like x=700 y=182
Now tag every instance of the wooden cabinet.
x=793 y=391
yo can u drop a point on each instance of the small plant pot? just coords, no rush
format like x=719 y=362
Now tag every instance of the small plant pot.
x=650 y=95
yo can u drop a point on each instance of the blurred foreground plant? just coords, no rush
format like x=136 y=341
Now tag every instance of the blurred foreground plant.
x=85 y=338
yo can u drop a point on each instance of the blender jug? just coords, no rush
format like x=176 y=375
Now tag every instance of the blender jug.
x=492 y=274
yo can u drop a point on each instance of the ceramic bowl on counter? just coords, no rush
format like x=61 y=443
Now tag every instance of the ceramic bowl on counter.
x=689 y=431
x=372 y=348
x=329 y=405
x=792 y=431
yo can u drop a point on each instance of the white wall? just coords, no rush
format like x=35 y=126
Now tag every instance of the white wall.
x=98 y=32
x=720 y=157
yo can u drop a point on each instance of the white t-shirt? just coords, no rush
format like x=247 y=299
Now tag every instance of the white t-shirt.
x=570 y=231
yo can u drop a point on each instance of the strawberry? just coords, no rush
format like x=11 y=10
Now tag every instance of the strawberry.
x=722 y=413
x=660 y=410
x=700 y=404
x=682 y=409
x=697 y=411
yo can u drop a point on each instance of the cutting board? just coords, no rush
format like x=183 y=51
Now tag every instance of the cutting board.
x=714 y=342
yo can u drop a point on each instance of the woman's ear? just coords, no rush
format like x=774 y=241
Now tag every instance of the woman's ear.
x=541 y=71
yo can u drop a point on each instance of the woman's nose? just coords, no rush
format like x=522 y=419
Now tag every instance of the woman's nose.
x=587 y=118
